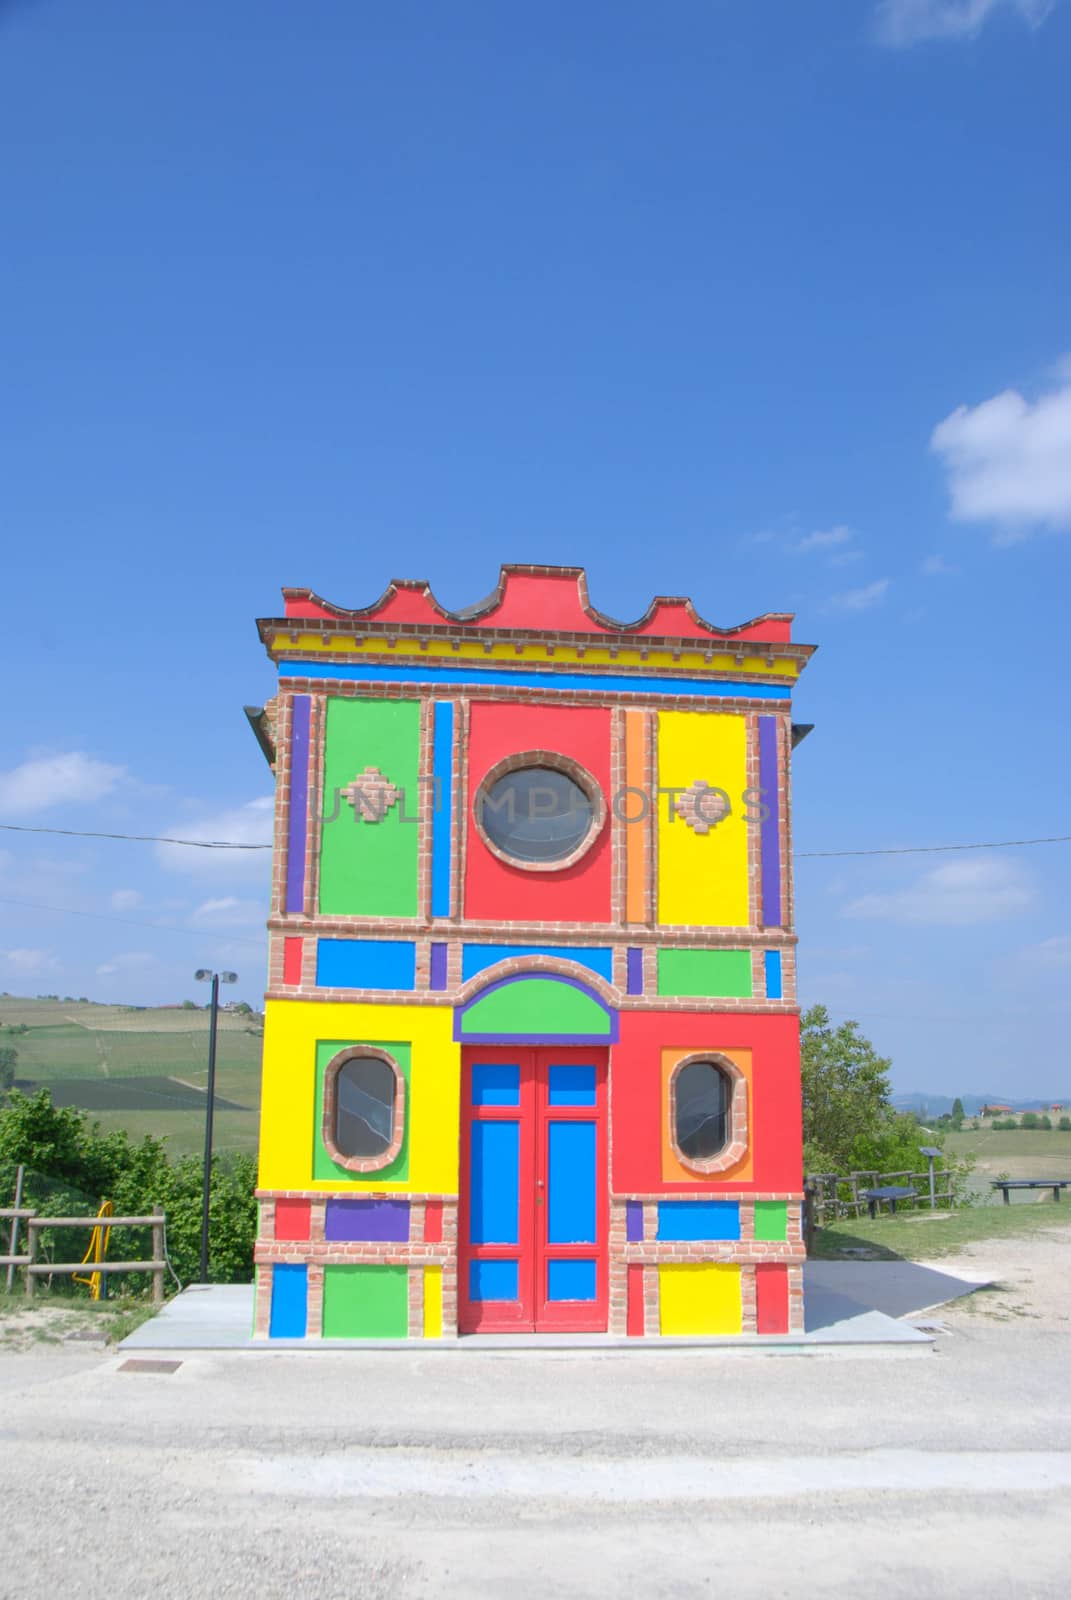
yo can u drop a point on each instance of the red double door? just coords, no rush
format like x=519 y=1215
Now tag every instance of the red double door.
x=532 y=1227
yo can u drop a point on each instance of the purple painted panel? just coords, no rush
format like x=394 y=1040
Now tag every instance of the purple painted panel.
x=299 y=802
x=437 y=977
x=770 y=829
x=367 y=1219
x=634 y=1221
x=635 y=971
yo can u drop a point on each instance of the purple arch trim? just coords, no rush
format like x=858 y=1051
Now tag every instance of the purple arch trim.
x=610 y=1037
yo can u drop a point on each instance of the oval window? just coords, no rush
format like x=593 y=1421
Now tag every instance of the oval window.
x=366 y=1090
x=703 y=1096
x=535 y=814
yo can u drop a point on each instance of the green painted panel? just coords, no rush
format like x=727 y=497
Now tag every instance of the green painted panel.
x=714 y=974
x=536 y=1005
x=369 y=868
x=366 y=1303
x=322 y=1164
x=771 y=1221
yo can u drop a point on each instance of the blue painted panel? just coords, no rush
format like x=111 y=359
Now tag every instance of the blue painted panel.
x=571 y=1086
x=495 y=1182
x=494 y=1083
x=289 y=1302
x=773 y=974
x=365 y=963
x=698 y=1219
x=492 y=1280
x=570 y=1280
x=571 y=1182
x=597 y=683
x=478 y=957
x=443 y=807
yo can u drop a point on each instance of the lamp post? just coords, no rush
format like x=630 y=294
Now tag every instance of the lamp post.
x=931 y=1153
x=203 y=975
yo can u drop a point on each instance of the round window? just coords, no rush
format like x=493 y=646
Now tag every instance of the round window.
x=365 y=1089
x=536 y=815
x=703 y=1096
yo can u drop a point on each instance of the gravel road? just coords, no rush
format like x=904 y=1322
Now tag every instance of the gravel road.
x=686 y=1474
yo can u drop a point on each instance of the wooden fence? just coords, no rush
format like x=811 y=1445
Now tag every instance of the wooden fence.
x=33 y=1267
x=833 y=1195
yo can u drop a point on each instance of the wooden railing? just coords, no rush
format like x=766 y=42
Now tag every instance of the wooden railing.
x=34 y=1268
x=832 y=1195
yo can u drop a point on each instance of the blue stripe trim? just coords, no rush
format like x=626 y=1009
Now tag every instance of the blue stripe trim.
x=478 y=957
x=773 y=974
x=594 y=683
x=289 y=1300
x=443 y=807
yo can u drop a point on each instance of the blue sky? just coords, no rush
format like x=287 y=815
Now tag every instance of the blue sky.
x=762 y=303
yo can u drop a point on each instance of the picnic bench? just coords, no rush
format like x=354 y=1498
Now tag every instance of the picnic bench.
x=890 y=1192
x=1055 y=1184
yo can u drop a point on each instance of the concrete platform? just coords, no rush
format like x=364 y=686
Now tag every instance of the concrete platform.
x=857 y=1306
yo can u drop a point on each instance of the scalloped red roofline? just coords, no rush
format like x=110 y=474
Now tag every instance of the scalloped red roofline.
x=538 y=599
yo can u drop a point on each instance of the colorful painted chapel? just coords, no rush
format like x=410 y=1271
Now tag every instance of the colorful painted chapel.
x=531 y=1055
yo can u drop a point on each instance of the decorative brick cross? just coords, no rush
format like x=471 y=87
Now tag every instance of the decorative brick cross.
x=702 y=806
x=371 y=795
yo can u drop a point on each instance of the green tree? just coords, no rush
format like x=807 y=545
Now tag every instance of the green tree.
x=71 y=1166
x=958 y=1112
x=1029 y=1119
x=848 y=1122
x=8 y=1061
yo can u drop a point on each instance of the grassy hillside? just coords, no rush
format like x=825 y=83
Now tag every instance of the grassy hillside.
x=1022 y=1153
x=146 y=1071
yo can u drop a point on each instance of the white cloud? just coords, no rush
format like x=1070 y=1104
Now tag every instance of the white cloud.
x=906 y=22
x=953 y=895
x=937 y=567
x=128 y=961
x=248 y=824
x=70 y=779
x=229 y=912
x=825 y=539
x=1054 y=952
x=125 y=899
x=1008 y=461
x=28 y=963
x=862 y=599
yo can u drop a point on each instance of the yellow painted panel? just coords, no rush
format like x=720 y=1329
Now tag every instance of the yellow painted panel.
x=291 y=1031
x=649 y=658
x=700 y=1297
x=703 y=877
x=673 y=1171
x=433 y=1302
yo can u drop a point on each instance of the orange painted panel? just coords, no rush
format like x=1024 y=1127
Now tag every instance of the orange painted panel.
x=673 y=1171
x=634 y=808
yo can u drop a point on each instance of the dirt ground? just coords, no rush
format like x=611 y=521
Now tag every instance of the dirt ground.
x=670 y=1474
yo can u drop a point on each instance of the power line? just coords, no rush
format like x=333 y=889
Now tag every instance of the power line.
x=138 y=838
x=931 y=849
x=234 y=844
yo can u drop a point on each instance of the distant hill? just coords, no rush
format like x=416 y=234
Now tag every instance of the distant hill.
x=938 y=1105
x=144 y=1069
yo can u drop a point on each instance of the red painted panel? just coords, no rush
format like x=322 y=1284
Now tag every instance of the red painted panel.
x=292 y=954
x=634 y=1326
x=775 y=1129
x=293 y=1219
x=771 y=1298
x=493 y=889
x=433 y=1222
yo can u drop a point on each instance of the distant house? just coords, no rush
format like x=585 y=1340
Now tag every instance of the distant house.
x=995 y=1111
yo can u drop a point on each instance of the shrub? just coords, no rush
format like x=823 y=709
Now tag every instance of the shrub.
x=1064 y=1124
x=71 y=1166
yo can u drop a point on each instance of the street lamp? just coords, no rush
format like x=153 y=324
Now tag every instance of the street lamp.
x=931 y=1153
x=203 y=975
